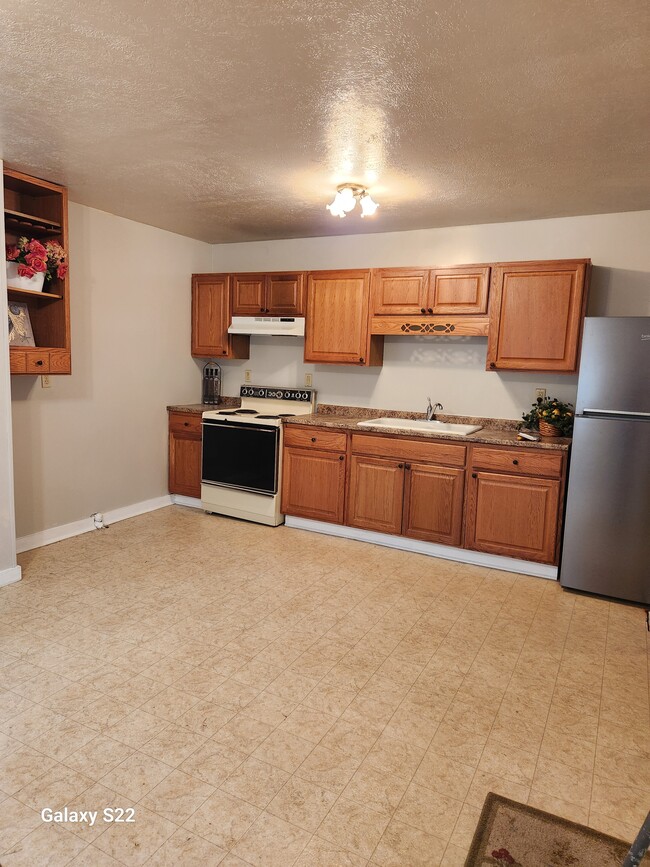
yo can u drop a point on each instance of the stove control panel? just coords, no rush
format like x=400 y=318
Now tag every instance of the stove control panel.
x=304 y=395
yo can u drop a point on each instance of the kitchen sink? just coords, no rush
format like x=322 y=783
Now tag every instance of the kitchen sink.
x=421 y=425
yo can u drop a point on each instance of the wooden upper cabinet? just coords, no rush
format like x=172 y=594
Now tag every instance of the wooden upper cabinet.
x=285 y=294
x=248 y=294
x=337 y=324
x=461 y=290
x=413 y=292
x=211 y=318
x=275 y=294
x=399 y=291
x=536 y=314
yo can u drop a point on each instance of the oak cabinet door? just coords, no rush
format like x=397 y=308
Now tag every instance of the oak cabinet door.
x=399 y=291
x=433 y=504
x=536 y=314
x=211 y=318
x=516 y=516
x=337 y=317
x=459 y=290
x=248 y=294
x=375 y=494
x=185 y=464
x=285 y=294
x=313 y=484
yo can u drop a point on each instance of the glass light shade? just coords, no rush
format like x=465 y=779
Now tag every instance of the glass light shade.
x=335 y=208
x=346 y=199
x=368 y=206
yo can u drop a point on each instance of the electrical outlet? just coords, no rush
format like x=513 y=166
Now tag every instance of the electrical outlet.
x=309 y=379
x=540 y=394
x=46 y=382
x=247 y=376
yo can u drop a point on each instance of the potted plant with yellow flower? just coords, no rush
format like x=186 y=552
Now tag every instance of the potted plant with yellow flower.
x=551 y=417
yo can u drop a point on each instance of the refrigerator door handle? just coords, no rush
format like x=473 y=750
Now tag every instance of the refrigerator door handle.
x=615 y=412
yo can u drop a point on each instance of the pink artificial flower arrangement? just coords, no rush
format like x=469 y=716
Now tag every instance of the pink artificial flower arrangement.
x=32 y=257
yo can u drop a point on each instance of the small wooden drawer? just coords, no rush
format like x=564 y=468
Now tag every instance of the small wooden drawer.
x=317 y=438
x=17 y=361
x=38 y=362
x=60 y=361
x=185 y=422
x=527 y=462
x=404 y=449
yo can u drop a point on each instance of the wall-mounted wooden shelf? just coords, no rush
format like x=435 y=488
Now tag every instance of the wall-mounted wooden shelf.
x=39 y=209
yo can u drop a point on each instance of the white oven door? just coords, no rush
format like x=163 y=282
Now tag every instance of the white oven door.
x=242 y=456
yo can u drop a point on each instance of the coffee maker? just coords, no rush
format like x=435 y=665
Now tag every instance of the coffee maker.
x=211 y=392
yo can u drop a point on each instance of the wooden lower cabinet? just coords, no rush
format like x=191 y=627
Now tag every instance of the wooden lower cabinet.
x=515 y=516
x=313 y=484
x=433 y=504
x=185 y=454
x=375 y=494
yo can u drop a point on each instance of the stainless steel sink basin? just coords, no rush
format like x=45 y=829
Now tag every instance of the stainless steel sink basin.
x=420 y=425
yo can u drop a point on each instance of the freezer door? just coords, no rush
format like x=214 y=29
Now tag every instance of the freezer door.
x=606 y=548
x=615 y=365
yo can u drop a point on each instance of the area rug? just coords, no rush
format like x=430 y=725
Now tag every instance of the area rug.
x=509 y=834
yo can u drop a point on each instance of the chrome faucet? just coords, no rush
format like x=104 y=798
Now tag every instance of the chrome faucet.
x=431 y=410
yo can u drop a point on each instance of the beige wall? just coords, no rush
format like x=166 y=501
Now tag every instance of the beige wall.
x=450 y=369
x=97 y=439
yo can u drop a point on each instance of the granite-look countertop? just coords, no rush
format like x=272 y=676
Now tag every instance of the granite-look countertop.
x=501 y=432
x=199 y=408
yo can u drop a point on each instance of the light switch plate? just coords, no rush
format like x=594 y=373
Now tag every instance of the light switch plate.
x=309 y=379
x=247 y=376
x=540 y=394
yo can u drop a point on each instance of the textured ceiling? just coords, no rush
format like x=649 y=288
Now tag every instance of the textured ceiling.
x=235 y=120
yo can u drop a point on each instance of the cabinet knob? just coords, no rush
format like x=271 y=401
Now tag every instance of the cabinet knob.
x=186 y=424
x=407 y=466
x=422 y=310
x=361 y=360
x=261 y=310
x=516 y=462
x=341 y=457
x=39 y=362
x=430 y=310
x=492 y=366
x=474 y=475
x=400 y=466
x=313 y=439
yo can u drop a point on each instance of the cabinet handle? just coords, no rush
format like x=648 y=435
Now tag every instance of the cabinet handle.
x=474 y=475
x=261 y=310
x=313 y=439
x=407 y=466
x=422 y=310
x=341 y=457
x=39 y=362
x=400 y=466
x=186 y=424
x=361 y=360
x=430 y=310
x=492 y=366
x=516 y=462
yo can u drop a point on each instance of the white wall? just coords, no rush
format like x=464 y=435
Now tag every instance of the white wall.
x=9 y=571
x=97 y=440
x=450 y=369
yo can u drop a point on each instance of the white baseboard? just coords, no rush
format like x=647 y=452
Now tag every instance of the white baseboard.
x=76 y=528
x=182 y=500
x=445 y=552
x=10 y=576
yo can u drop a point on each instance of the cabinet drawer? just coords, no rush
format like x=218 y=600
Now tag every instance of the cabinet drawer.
x=524 y=461
x=38 y=362
x=318 y=438
x=409 y=450
x=18 y=361
x=59 y=361
x=185 y=422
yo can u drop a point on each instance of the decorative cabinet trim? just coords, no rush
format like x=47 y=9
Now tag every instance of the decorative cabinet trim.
x=432 y=326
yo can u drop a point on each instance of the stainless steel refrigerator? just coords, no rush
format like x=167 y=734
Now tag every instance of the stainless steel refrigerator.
x=606 y=547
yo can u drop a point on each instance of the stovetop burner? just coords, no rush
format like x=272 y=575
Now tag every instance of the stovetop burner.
x=245 y=412
x=268 y=416
x=286 y=415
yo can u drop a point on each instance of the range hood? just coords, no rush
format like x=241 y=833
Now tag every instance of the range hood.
x=275 y=326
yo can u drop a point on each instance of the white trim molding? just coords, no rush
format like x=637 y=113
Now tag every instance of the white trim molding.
x=9 y=576
x=76 y=528
x=191 y=502
x=445 y=552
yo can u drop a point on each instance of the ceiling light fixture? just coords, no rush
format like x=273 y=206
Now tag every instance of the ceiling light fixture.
x=347 y=195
